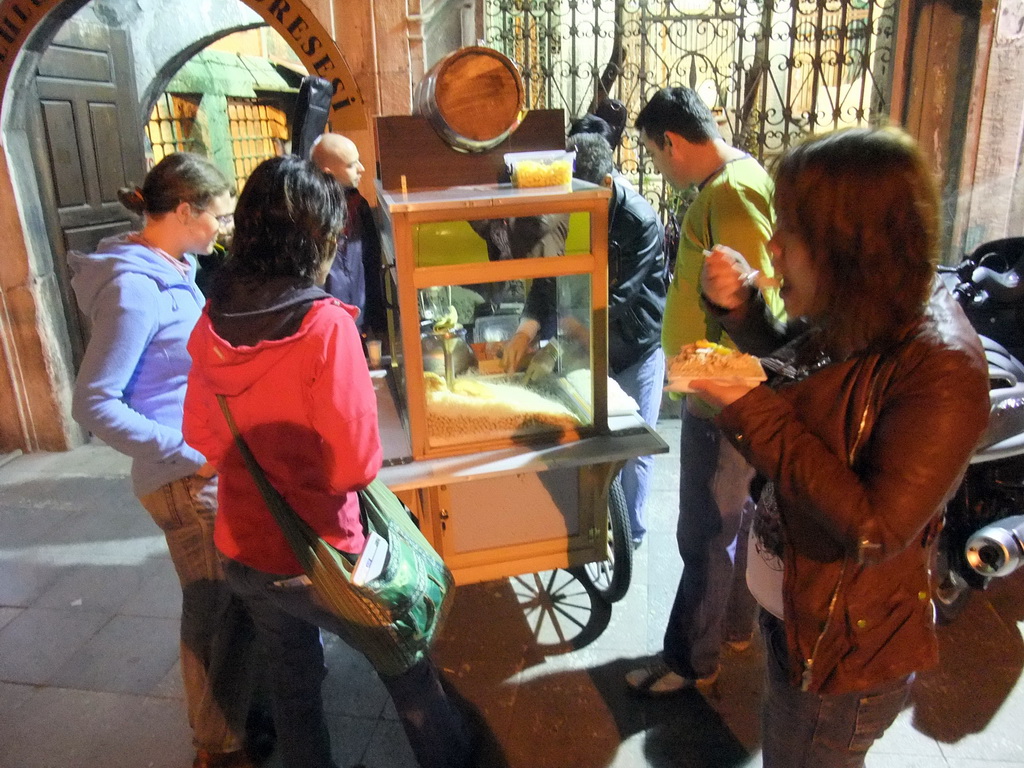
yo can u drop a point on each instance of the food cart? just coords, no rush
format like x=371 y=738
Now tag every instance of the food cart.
x=508 y=472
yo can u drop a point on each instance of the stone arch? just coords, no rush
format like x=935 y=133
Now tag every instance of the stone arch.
x=35 y=369
x=167 y=69
x=292 y=19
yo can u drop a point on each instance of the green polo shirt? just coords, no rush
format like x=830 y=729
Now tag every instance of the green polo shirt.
x=733 y=208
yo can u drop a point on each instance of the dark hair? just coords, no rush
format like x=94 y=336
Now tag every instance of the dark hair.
x=865 y=204
x=595 y=125
x=287 y=220
x=179 y=178
x=680 y=110
x=593 y=157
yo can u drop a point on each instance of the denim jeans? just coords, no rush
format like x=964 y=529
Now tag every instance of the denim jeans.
x=801 y=729
x=288 y=619
x=217 y=636
x=712 y=600
x=643 y=382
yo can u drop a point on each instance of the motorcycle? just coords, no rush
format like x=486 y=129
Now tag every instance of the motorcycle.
x=983 y=533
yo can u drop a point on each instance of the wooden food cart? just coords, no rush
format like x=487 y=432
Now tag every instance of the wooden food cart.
x=501 y=495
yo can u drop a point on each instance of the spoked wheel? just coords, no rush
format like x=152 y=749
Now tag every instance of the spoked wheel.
x=561 y=612
x=610 y=578
x=951 y=591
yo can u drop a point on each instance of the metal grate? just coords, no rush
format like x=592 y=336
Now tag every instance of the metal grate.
x=771 y=72
x=258 y=131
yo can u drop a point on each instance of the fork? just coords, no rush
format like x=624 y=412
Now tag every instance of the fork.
x=755 y=278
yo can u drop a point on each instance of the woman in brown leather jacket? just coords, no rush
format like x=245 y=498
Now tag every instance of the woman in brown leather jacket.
x=877 y=394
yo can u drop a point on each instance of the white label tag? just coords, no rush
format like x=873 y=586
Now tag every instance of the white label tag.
x=371 y=560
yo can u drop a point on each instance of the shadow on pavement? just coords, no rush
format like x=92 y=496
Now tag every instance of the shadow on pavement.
x=520 y=653
x=981 y=655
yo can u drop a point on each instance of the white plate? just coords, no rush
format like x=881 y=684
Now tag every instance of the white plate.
x=682 y=384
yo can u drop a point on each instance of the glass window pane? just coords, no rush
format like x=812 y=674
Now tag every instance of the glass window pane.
x=473 y=392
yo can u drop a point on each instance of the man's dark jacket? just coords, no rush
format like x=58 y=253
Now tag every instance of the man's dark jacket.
x=637 y=278
x=355 y=276
x=637 y=281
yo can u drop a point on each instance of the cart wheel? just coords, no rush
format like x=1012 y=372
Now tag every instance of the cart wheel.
x=563 y=614
x=610 y=578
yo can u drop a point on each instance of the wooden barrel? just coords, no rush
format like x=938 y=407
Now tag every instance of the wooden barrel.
x=473 y=97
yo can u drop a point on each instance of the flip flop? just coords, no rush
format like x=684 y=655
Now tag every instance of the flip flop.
x=658 y=679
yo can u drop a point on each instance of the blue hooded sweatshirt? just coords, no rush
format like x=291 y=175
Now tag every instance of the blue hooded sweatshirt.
x=131 y=385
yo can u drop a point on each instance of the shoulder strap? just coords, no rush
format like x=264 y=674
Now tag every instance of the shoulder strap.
x=270 y=494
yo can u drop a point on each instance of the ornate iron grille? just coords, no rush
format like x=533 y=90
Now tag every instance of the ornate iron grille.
x=771 y=72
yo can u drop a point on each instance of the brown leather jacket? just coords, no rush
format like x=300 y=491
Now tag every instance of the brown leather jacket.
x=863 y=455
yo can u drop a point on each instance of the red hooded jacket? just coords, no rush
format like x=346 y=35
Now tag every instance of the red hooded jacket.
x=306 y=407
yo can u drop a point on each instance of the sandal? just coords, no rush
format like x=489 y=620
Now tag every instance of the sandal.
x=658 y=679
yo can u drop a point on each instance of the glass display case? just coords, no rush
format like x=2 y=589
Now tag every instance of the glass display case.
x=497 y=314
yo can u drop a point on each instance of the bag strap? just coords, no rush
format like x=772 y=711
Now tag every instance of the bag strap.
x=299 y=534
x=266 y=489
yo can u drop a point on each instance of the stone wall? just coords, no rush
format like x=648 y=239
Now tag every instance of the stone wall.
x=158 y=37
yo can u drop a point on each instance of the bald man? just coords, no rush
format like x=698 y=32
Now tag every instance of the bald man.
x=338 y=155
x=355 y=276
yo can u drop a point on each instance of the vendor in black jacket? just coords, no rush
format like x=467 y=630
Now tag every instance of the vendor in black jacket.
x=637 y=283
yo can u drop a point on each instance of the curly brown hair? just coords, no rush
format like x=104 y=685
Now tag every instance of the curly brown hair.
x=865 y=203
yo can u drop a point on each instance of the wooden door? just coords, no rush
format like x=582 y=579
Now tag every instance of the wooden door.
x=86 y=144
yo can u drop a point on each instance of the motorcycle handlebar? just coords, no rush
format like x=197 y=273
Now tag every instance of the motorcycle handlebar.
x=1003 y=287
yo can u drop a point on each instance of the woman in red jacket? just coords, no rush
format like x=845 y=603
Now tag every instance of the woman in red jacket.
x=289 y=359
x=879 y=395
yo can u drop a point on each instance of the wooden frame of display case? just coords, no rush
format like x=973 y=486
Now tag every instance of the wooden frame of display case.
x=404 y=211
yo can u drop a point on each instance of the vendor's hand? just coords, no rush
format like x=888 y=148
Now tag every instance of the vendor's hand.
x=573 y=329
x=514 y=351
x=718 y=395
x=724 y=278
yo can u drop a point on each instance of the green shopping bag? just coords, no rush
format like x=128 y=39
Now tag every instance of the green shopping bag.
x=393 y=618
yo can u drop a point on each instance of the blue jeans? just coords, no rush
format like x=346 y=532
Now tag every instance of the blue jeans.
x=712 y=600
x=217 y=636
x=643 y=382
x=801 y=729
x=288 y=619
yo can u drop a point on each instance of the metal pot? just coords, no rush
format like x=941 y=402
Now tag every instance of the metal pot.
x=461 y=354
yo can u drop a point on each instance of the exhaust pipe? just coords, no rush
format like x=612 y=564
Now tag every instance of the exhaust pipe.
x=997 y=549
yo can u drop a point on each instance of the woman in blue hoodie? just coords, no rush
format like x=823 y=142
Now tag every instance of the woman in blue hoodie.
x=140 y=293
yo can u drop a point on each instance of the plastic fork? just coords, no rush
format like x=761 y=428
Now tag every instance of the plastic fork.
x=755 y=278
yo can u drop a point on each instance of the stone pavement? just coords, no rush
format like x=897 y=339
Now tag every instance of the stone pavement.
x=89 y=674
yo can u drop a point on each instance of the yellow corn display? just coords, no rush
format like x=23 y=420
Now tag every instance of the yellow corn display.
x=530 y=173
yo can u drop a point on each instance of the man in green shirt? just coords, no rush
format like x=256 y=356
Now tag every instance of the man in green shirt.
x=733 y=207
